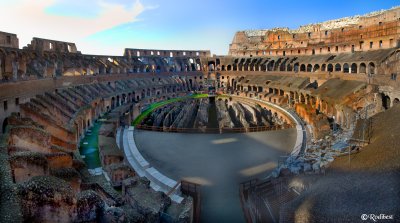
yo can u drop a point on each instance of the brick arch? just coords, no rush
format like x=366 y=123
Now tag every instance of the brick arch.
x=338 y=67
x=354 y=69
x=303 y=68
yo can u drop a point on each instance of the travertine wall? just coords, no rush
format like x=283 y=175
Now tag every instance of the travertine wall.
x=8 y=40
x=377 y=30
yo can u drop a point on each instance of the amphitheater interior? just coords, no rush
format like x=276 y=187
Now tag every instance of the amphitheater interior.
x=335 y=84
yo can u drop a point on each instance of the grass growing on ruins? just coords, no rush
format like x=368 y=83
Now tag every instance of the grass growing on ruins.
x=159 y=104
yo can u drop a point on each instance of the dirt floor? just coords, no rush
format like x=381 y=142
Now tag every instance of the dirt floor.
x=219 y=162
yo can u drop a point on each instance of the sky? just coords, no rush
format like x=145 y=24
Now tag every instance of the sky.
x=105 y=27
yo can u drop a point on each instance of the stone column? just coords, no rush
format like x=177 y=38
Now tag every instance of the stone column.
x=45 y=69
x=15 y=66
x=55 y=69
x=1 y=69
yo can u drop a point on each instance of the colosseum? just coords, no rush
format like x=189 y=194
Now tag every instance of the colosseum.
x=293 y=125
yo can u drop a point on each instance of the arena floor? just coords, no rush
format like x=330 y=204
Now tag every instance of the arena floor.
x=219 y=162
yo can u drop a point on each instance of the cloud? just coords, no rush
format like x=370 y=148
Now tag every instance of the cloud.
x=28 y=18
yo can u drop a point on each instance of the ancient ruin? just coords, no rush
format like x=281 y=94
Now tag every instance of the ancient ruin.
x=192 y=115
x=68 y=150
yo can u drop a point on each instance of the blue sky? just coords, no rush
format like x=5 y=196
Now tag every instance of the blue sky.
x=107 y=27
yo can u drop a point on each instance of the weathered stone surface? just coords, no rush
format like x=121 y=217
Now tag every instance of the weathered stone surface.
x=144 y=200
x=115 y=215
x=202 y=114
x=224 y=119
x=90 y=206
x=47 y=199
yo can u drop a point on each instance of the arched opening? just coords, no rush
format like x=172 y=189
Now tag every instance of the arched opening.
x=289 y=67
x=296 y=67
x=211 y=66
x=217 y=63
x=112 y=102
x=346 y=68
x=4 y=127
x=233 y=84
x=363 y=68
x=143 y=94
x=316 y=68
x=371 y=68
x=338 y=68
x=303 y=68
x=330 y=67
x=396 y=101
x=2 y=64
x=302 y=99
x=190 y=83
x=323 y=67
x=282 y=67
x=229 y=67
x=118 y=101
x=309 y=68
x=385 y=101
x=270 y=66
x=353 y=68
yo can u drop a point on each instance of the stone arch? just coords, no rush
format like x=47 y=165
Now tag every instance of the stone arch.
x=211 y=65
x=396 y=101
x=282 y=67
x=363 y=68
x=233 y=84
x=385 y=101
x=303 y=68
x=118 y=101
x=353 y=68
x=338 y=67
x=346 y=68
x=10 y=65
x=112 y=102
x=302 y=98
x=330 y=68
x=191 y=83
x=371 y=68
x=296 y=67
x=2 y=63
x=289 y=67
x=309 y=68
x=316 y=68
x=270 y=66
x=323 y=67
x=4 y=126
x=229 y=67
x=143 y=94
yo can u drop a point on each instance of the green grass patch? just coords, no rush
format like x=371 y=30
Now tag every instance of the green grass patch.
x=159 y=104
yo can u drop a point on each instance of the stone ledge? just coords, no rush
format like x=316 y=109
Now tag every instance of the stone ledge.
x=158 y=181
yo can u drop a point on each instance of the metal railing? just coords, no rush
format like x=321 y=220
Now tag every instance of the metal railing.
x=193 y=190
x=214 y=130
